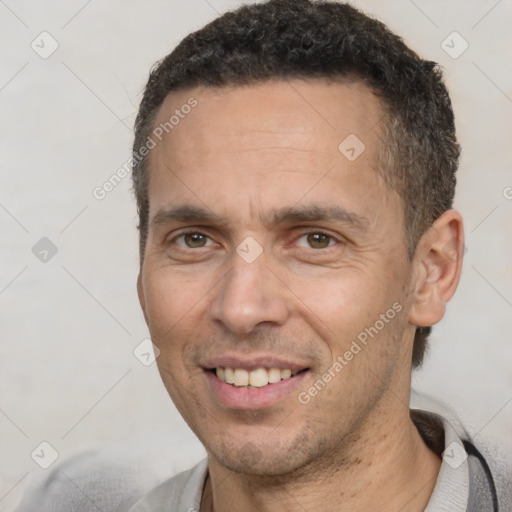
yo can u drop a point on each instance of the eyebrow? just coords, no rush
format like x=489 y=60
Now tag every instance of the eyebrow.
x=287 y=215
x=315 y=213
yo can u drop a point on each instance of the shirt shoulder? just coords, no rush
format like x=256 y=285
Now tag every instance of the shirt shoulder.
x=472 y=477
x=92 y=480
x=181 y=493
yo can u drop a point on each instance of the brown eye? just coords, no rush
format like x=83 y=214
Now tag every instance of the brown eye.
x=316 y=241
x=192 y=240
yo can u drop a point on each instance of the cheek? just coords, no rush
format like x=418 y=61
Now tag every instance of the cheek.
x=345 y=300
x=174 y=302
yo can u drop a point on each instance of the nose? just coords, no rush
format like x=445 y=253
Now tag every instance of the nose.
x=248 y=296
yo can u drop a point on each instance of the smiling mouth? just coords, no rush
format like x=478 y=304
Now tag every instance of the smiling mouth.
x=254 y=379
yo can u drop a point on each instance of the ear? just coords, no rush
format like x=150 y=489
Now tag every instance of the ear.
x=142 y=298
x=437 y=266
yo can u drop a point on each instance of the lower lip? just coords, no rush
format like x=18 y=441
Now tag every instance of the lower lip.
x=253 y=398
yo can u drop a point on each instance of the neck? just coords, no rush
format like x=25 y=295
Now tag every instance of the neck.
x=385 y=466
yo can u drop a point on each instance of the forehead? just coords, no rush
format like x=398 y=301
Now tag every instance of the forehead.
x=273 y=142
x=319 y=113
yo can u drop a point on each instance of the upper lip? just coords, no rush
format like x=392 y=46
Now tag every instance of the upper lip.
x=252 y=362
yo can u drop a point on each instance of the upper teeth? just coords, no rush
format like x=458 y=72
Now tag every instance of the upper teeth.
x=255 y=378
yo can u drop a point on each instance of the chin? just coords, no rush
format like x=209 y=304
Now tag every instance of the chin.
x=252 y=462
x=267 y=458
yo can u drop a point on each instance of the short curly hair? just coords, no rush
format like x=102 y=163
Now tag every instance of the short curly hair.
x=286 y=39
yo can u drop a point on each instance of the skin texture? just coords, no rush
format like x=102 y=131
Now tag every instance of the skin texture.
x=243 y=154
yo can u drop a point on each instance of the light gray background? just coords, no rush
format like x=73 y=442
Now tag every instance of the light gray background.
x=69 y=326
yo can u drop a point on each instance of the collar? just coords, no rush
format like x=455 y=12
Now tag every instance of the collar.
x=451 y=492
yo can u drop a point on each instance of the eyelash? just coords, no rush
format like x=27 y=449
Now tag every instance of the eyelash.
x=302 y=235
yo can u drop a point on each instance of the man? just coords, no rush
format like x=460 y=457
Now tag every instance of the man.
x=294 y=169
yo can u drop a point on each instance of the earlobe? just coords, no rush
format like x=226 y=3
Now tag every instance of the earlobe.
x=140 y=293
x=437 y=267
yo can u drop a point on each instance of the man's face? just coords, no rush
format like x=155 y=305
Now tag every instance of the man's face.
x=269 y=248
